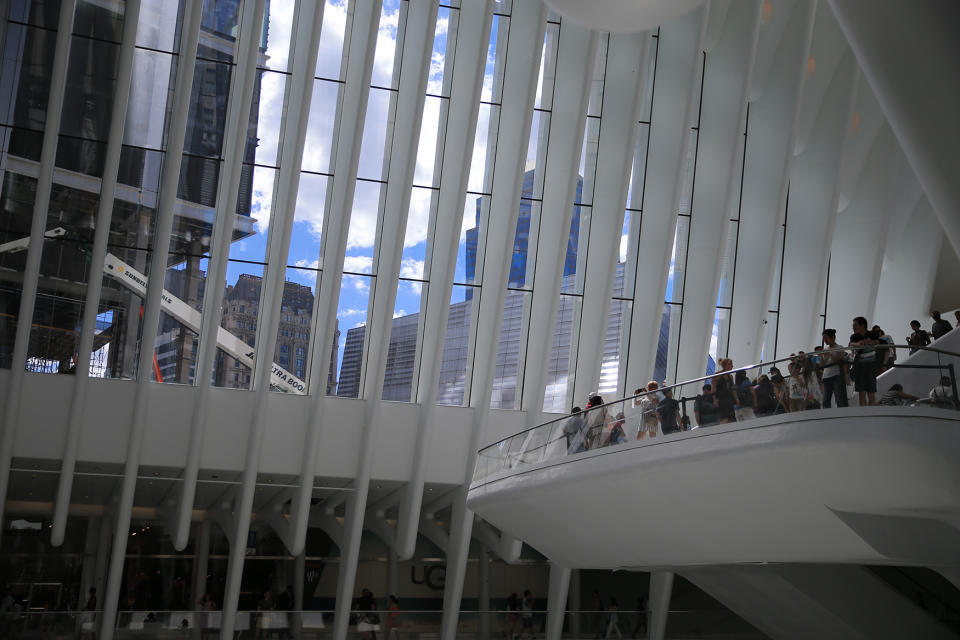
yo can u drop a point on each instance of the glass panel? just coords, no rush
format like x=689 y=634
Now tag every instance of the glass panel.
x=769 y=350
x=18 y=196
x=330 y=52
x=208 y=109
x=429 y=152
x=548 y=67
x=678 y=261
x=476 y=212
x=43 y=13
x=522 y=260
x=719 y=337
x=160 y=25
x=293 y=332
x=151 y=89
x=279 y=24
x=422 y=204
x=618 y=328
x=351 y=322
x=561 y=367
x=456 y=346
x=686 y=193
x=667 y=343
x=367 y=203
x=441 y=59
x=318 y=146
x=620 y=289
x=386 y=59
x=647 y=107
x=536 y=162
x=484 y=149
x=496 y=58
x=25 y=75
x=305 y=243
x=250 y=227
x=377 y=132
x=241 y=305
x=177 y=340
x=505 y=390
x=575 y=262
x=638 y=173
x=398 y=382
x=266 y=114
x=588 y=161
x=725 y=292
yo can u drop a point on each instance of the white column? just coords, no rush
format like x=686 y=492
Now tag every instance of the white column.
x=473 y=34
x=527 y=27
x=201 y=554
x=557 y=598
x=726 y=82
x=103 y=551
x=909 y=270
x=627 y=62
x=31 y=270
x=238 y=118
x=483 y=603
x=108 y=185
x=575 y=603
x=679 y=54
x=812 y=213
x=661 y=585
x=771 y=127
x=299 y=577
x=860 y=238
x=920 y=107
x=576 y=56
x=151 y=306
x=303 y=59
x=88 y=570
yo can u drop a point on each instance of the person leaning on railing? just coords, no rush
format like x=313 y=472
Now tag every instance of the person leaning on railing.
x=834 y=365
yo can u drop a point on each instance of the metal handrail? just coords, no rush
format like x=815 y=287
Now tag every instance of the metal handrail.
x=769 y=363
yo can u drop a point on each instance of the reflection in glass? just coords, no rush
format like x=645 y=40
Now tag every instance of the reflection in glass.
x=399 y=381
x=505 y=393
x=456 y=347
x=352 y=322
x=241 y=307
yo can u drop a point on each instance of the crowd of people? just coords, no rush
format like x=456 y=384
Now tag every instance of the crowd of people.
x=814 y=380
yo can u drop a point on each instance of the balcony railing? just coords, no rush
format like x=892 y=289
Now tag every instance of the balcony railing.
x=901 y=375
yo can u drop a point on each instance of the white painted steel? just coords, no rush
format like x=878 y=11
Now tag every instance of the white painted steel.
x=622 y=16
x=108 y=186
x=303 y=59
x=527 y=28
x=726 y=83
x=576 y=56
x=170 y=181
x=241 y=97
x=626 y=76
x=767 y=491
x=679 y=57
x=559 y=587
x=31 y=270
x=473 y=33
x=771 y=126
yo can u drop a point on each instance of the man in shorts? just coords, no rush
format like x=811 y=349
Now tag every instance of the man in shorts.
x=864 y=361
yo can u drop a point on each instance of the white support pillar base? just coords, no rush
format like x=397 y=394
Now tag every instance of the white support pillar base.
x=557 y=600
x=661 y=585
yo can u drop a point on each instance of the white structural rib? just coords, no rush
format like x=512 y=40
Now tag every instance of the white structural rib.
x=527 y=28
x=473 y=34
x=303 y=61
x=151 y=308
x=726 y=81
x=815 y=188
x=31 y=270
x=108 y=186
x=679 y=55
x=861 y=234
x=576 y=56
x=771 y=126
x=627 y=61
x=916 y=88
x=238 y=117
x=414 y=70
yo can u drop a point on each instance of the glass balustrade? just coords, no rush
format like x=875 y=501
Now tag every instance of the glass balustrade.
x=900 y=376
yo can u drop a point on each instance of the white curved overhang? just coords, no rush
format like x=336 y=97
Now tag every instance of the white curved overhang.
x=871 y=485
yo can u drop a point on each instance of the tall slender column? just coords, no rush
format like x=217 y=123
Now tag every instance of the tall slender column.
x=201 y=554
x=31 y=270
x=576 y=56
x=576 y=601
x=527 y=27
x=241 y=99
x=661 y=585
x=726 y=83
x=88 y=567
x=557 y=601
x=303 y=60
x=626 y=77
x=151 y=308
x=778 y=91
x=299 y=578
x=103 y=551
x=921 y=110
x=108 y=186
x=679 y=54
x=473 y=33
x=415 y=67
x=483 y=575
x=812 y=214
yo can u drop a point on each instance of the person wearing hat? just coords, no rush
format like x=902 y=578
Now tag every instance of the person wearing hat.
x=705 y=407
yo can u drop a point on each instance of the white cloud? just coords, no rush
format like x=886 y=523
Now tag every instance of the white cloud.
x=261 y=206
x=358 y=264
x=411 y=268
x=307 y=264
x=358 y=283
x=624 y=240
x=346 y=313
x=399 y=313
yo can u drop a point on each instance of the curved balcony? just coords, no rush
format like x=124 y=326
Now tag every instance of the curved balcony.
x=802 y=484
